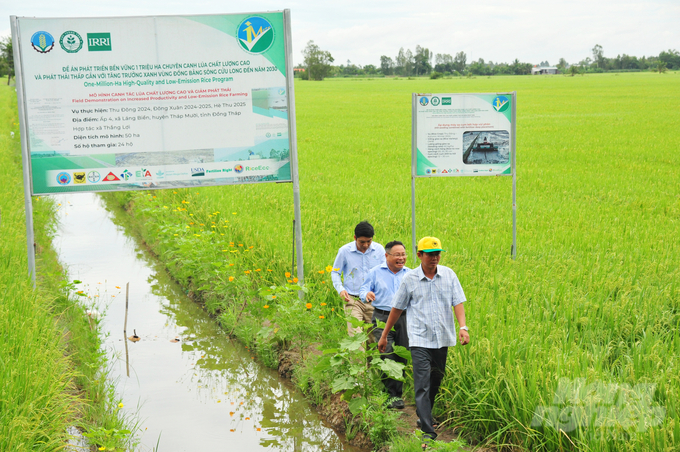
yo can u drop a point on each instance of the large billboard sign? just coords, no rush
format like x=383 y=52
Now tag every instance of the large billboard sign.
x=463 y=134
x=154 y=102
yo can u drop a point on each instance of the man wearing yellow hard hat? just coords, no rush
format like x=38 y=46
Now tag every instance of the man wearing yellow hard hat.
x=429 y=292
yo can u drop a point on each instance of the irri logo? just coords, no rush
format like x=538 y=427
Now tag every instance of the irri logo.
x=99 y=42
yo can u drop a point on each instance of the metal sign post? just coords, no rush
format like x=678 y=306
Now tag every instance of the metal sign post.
x=25 y=156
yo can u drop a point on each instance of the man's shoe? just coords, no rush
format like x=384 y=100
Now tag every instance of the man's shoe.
x=396 y=404
x=435 y=423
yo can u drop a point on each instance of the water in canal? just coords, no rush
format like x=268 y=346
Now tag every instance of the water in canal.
x=190 y=387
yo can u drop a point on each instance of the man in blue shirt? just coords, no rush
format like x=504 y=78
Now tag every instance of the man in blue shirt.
x=429 y=291
x=353 y=262
x=379 y=287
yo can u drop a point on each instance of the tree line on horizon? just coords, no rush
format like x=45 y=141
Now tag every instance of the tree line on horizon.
x=317 y=64
x=6 y=59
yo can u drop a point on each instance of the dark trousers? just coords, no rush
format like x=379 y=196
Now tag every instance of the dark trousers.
x=397 y=337
x=429 y=365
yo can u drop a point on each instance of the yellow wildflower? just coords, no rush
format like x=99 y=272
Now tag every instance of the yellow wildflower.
x=231 y=278
x=308 y=305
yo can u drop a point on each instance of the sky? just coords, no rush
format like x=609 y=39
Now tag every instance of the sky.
x=361 y=31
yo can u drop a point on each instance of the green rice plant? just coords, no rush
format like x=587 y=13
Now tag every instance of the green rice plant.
x=594 y=291
x=50 y=360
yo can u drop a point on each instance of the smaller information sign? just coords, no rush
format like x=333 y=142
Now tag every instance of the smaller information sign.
x=462 y=134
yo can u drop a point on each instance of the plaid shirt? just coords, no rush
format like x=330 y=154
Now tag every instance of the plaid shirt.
x=430 y=317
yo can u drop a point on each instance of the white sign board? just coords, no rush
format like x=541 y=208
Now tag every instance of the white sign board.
x=463 y=134
x=155 y=102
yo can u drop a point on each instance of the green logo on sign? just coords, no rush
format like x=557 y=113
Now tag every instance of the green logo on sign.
x=446 y=101
x=255 y=34
x=435 y=101
x=71 y=41
x=500 y=103
x=99 y=42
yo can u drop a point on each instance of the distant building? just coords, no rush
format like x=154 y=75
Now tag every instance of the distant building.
x=538 y=70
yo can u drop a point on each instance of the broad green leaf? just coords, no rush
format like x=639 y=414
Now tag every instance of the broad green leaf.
x=356 y=404
x=402 y=352
x=356 y=369
x=347 y=396
x=343 y=382
x=356 y=323
x=392 y=369
x=354 y=342
x=337 y=360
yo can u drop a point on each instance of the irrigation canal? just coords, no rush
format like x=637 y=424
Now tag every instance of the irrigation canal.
x=190 y=388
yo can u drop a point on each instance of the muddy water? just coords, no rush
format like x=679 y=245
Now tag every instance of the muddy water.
x=189 y=386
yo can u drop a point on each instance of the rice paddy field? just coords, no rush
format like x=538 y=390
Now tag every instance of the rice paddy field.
x=52 y=372
x=575 y=345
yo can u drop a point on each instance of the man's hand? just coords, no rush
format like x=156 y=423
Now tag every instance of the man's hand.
x=345 y=296
x=464 y=337
x=370 y=297
x=382 y=343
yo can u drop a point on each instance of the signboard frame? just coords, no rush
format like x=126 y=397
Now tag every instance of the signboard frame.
x=285 y=67
x=481 y=127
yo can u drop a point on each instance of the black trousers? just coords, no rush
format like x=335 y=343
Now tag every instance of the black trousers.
x=399 y=336
x=429 y=366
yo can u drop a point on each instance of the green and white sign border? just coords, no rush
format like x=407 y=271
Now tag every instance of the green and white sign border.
x=283 y=62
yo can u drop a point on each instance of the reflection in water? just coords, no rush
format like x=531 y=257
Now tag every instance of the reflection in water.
x=204 y=392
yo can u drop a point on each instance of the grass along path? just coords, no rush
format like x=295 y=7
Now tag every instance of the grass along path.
x=575 y=344
x=51 y=367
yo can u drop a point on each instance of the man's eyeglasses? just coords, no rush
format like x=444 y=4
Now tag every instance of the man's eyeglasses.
x=397 y=255
x=432 y=253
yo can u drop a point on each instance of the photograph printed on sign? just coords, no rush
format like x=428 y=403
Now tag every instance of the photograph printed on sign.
x=482 y=147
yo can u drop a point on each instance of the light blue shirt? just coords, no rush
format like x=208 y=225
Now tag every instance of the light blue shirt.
x=429 y=301
x=384 y=284
x=354 y=266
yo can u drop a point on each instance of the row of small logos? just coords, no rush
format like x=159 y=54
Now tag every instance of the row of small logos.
x=424 y=101
x=255 y=35
x=451 y=171
x=95 y=177
x=500 y=103
x=71 y=42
